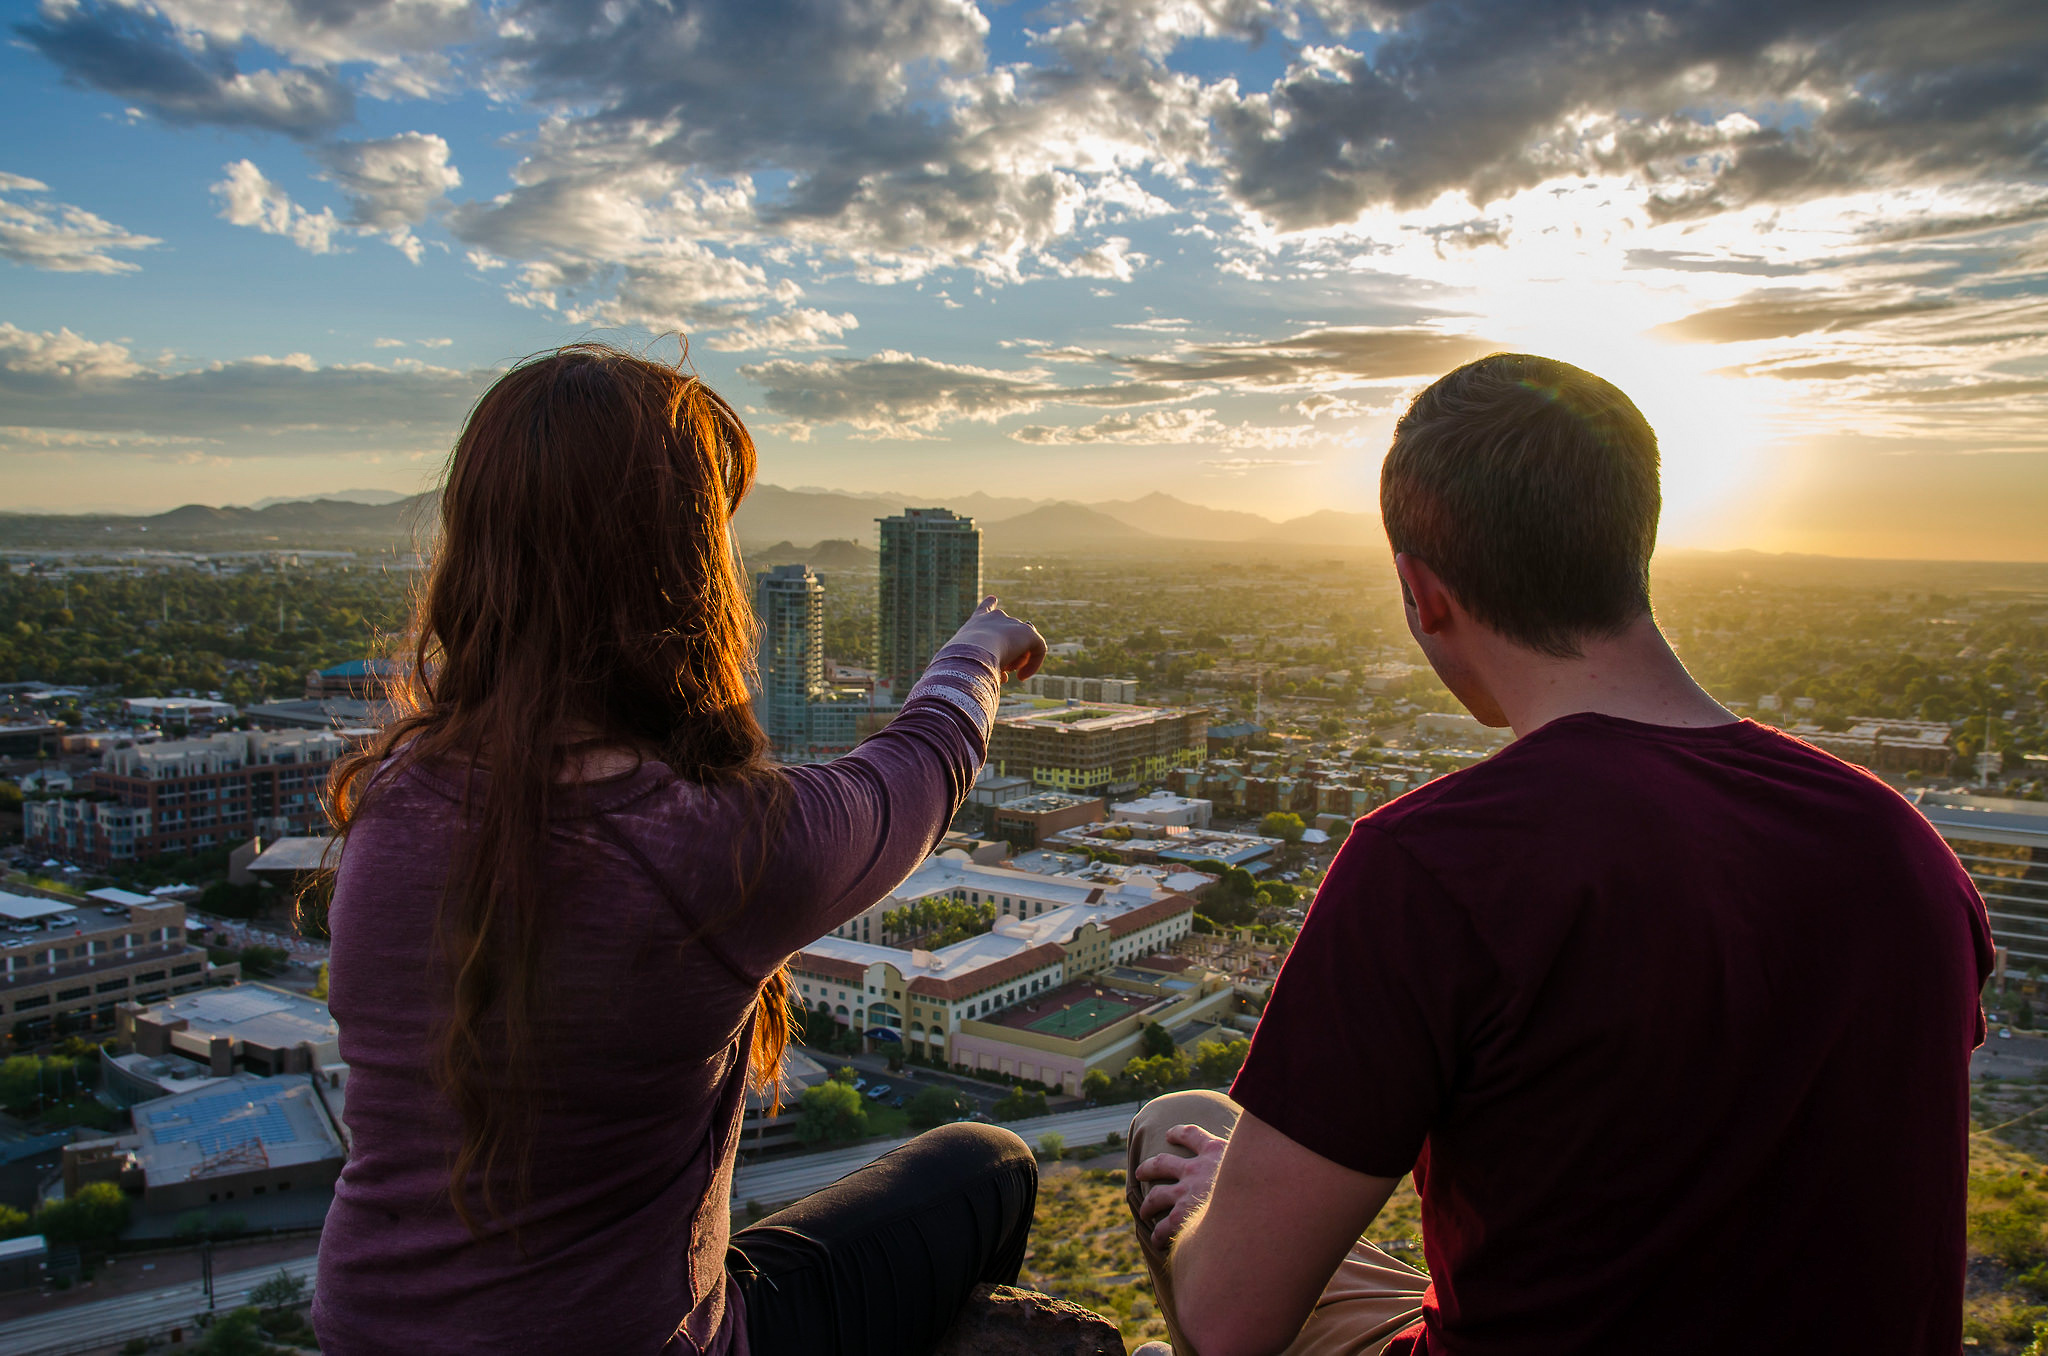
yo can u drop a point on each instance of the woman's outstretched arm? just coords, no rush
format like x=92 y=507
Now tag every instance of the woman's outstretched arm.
x=858 y=825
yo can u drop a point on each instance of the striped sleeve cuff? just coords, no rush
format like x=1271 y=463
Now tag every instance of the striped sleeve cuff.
x=964 y=677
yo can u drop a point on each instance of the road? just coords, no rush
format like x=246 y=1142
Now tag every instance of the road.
x=107 y=1322
x=779 y=1180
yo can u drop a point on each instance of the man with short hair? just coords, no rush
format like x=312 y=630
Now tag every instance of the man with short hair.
x=1669 y=1013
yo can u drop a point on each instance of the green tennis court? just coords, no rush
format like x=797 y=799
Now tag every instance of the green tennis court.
x=1081 y=1018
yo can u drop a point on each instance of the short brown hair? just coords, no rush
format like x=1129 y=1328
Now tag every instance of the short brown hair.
x=1530 y=487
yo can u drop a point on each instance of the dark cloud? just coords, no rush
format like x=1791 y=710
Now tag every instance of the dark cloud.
x=138 y=57
x=1780 y=317
x=1491 y=96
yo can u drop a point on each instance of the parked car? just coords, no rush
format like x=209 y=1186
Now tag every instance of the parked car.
x=878 y=1092
x=2005 y=1033
x=859 y=1083
x=898 y=1100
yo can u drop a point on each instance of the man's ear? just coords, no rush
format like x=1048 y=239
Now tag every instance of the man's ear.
x=1422 y=591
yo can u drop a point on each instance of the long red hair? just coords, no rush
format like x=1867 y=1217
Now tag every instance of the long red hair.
x=584 y=593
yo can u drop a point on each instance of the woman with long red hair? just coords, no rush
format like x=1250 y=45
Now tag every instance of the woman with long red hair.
x=569 y=879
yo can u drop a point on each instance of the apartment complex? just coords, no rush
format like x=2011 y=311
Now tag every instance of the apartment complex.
x=930 y=583
x=1098 y=747
x=67 y=966
x=188 y=794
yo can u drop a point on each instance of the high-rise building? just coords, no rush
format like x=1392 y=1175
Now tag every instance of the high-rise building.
x=790 y=602
x=931 y=582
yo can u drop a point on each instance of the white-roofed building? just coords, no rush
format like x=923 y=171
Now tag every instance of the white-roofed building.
x=237 y=1139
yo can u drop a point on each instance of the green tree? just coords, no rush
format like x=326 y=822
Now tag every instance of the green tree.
x=1018 y=1104
x=238 y=1333
x=261 y=962
x=845 y=1074
x=2024 y=1018
x=232 y=901
x=831 y=1113
x=1283 y=825
x=1052 y=1145
x=18 y=1080
x=13 y=1223
x=320 y=982
x=94 y=1217
x=282 y=1291
x=1096 y=1085
x=1218 y=1061
x=1278 y=894
x=1155 y=1039
x=1151 y=1076
x=935 y=1106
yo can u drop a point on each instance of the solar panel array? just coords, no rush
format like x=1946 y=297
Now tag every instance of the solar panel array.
x=213 y=1121
x=238 y=1004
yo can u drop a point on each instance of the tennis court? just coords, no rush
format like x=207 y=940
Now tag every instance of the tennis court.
x=1080 y=1019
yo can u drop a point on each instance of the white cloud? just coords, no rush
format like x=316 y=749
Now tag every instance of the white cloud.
x=247 y=198
x=391 y=186
x=387 y=343
x=797 y=329
x=60 y=237
x=63 y=356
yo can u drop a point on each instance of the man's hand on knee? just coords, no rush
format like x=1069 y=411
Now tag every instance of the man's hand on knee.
x=1179 y=1184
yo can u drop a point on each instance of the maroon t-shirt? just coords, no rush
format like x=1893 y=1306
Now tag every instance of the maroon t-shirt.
x=1673 y=1027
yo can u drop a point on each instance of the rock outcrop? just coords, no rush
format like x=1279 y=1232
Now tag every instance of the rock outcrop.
x=1001 y=1320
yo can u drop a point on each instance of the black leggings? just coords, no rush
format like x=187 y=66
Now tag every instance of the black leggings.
x=878 y=1263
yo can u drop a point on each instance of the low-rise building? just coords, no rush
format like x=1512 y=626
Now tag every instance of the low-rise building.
x=923 y=1000
x=243 y=1028
x=1166 y=808
x=67 y=966
x=1028 y=821
x=1885 y=745
x=1169 y=845
x=1097 y=747
x=189 y=712
x=240 y=1139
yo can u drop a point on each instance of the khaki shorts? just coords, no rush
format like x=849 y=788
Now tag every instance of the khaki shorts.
x=1371 y=1299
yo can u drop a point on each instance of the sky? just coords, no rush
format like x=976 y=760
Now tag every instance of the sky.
x=1083 y=250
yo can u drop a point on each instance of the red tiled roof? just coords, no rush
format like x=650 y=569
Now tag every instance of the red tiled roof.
x=987 y=976
x=853 y=972
x=1158 y=911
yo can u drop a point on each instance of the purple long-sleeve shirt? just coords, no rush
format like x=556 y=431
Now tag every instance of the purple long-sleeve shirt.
x=643 y=1056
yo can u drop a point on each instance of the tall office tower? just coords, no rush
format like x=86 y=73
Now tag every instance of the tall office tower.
x=790 y=602
x=931 y=581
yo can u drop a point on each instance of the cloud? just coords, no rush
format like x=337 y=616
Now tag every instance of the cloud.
x=391 y=185
x=1781 y=315
x=247 y=198
x=1486 y=97
x=800 y=327
x=1150 y=428
x=1321 y=357
x=252 y=406
x=181 y=73
x=1237 y=466
x=895 y=394
x=60 y=237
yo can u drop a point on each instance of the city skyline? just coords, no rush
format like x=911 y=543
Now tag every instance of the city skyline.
x=1088 y=250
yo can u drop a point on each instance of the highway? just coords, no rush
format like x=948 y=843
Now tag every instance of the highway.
x=81 y=1327
x=100 y=1323
x=781 y=1180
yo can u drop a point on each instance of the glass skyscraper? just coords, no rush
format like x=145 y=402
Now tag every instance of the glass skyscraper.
x=790 y=602
x=931 y=581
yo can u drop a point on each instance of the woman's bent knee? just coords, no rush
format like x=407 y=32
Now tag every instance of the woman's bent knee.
x=978 y=1147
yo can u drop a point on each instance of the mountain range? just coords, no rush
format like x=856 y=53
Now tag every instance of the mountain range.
x=771 y=516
